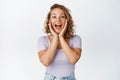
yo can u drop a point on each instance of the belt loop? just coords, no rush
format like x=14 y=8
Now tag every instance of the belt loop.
x=54 y=78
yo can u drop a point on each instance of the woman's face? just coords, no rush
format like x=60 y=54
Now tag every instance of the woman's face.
x=57 y=19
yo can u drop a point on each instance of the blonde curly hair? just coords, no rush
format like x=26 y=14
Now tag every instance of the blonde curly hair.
x=70 y=31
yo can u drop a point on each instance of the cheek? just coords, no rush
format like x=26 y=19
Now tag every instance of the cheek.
x=63 y=22
x=52 y=22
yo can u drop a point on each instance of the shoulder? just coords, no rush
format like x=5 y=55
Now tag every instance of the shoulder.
x=42 y=38
x=75 y=41
x=76 y=37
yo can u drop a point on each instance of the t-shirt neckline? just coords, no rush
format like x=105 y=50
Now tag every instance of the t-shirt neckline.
x=58 y=48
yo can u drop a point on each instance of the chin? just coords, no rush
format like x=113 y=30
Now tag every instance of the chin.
x=57 y=32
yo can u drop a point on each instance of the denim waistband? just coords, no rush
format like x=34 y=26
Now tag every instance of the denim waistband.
x=51 y=77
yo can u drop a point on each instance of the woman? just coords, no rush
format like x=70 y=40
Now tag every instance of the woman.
x=61 y=49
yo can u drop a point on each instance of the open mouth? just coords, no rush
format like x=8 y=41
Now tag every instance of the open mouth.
x=58 y=25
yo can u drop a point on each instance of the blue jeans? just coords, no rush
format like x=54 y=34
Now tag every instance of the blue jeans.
x=51 y=77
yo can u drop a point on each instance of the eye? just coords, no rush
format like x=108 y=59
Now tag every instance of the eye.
x=62 y=16
x=53 y=16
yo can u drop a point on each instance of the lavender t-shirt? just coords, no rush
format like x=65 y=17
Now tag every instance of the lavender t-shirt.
x=60 y=66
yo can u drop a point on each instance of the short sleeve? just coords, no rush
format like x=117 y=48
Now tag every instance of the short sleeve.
x=76 y=41
x=41 y=44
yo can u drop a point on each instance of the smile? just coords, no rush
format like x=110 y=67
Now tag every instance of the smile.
x=58 y=26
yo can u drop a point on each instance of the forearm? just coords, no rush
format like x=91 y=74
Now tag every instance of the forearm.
x=71 y=54
x=49 y=54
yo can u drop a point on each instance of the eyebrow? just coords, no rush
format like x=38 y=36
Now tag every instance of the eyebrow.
x=55 y=14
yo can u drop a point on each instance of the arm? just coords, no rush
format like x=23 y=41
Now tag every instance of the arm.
x=47 y=56
x=73 y=54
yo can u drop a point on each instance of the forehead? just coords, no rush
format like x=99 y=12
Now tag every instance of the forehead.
x=57 y=11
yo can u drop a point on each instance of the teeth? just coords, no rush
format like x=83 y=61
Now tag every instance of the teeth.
x=57 y=24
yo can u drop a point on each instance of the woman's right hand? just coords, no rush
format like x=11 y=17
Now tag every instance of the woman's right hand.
x=55 y=35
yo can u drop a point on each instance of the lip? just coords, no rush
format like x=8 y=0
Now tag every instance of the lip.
x=58 y=26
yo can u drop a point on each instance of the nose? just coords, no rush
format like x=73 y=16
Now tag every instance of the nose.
x=58 y=19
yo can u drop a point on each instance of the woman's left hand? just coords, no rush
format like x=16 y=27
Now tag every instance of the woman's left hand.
x=63 y=30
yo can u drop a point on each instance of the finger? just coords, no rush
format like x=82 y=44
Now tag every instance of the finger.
x=49 y=26
x=64 y=29
x=51 y=29
x=65 y=25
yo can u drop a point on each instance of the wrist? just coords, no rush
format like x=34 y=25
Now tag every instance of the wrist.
x=55 y=38
x=61 y=37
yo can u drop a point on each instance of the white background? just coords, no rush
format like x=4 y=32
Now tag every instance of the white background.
x=97 y=22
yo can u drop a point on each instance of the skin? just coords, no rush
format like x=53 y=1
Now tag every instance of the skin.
x=57 y=40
